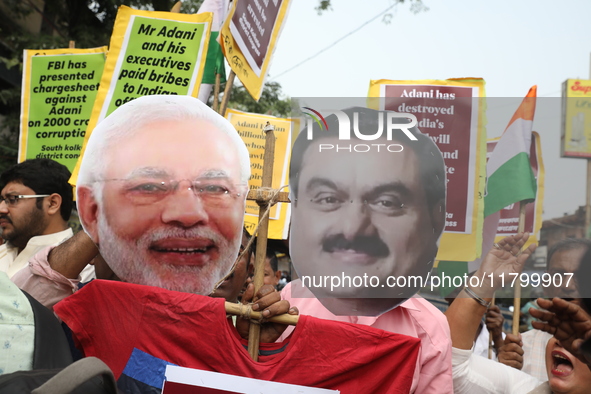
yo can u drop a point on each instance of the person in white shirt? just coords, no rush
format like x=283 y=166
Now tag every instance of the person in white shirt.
x=36 y=201
x=563 y=259
x=474 y=374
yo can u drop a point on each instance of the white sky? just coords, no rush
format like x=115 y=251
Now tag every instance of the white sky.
x=512 y=44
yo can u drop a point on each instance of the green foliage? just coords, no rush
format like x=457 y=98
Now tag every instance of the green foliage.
x=89 y=23
x=9 y=125
x=191 y=7
x=271 y=102
x=416 y=6
x=323 y=5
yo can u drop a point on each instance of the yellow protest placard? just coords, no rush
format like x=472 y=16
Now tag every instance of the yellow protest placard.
x=248 y=38
x=150 y=53
x=575 y=138
x=250 y=127
x=451 y=112
x=58 y=92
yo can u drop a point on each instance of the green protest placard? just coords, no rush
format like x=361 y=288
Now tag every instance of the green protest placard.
x=151 y=53
x=159 y=58
x=59 y=89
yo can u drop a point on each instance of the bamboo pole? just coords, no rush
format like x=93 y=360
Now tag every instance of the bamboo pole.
x=239 y=310
x=229 y=83
x=176 y=7
x=588 y=203
x=254 y=332
x=588 y=189
x=517 y=289
x=216 y=92
x=266 y=195
x=490 y=338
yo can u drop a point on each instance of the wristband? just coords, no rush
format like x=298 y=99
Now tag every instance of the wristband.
x=475 y=296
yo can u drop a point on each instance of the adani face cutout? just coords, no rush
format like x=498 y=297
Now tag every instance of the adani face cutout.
x=366 y=216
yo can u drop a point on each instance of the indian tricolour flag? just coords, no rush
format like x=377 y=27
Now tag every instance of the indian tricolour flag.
x=214 y=63
x=510 y=177
x=510 y=180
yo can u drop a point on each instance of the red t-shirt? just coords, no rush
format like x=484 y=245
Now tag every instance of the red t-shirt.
x=110 y=319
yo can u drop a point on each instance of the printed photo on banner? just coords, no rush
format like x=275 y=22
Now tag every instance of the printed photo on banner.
x=368 y=194
x=450 y=112
x=250 y=128
x=151 y=53
x=58 y=92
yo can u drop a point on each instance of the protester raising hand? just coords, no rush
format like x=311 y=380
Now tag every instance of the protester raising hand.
x=473 y=374
x=567 y=321
x=504 y=259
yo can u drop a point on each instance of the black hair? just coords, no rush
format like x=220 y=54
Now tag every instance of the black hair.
x=273 y=262
x=251 y=248
x=567 y=244
x=431 y=164
x=583 y=277
x=270 y=254
x=43 y=176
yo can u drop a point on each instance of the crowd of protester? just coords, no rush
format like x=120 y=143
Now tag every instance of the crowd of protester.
x=42 y=259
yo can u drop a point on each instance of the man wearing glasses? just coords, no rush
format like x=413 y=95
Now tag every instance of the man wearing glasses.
x=35 y=205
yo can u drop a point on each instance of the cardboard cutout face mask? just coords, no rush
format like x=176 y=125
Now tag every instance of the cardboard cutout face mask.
x=365 y=225
x=166 y=203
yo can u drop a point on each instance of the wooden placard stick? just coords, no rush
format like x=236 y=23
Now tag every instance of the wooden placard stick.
x=490 y=338
x=226 y=98
x=588 y=200
x=266 y=195
x=259 y=265
x=216 y=92
x=176 y=7
x=517 y=289
x=242 y=310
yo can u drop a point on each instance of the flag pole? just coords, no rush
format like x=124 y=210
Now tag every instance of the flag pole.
x=588 y=189
x=588 y=203
x=216 y=92
x=226 y=98
x=490 y=338
x=517 y=288
x=176 y=7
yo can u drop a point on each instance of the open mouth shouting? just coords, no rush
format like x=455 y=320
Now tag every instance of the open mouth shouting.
x=561 y=364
